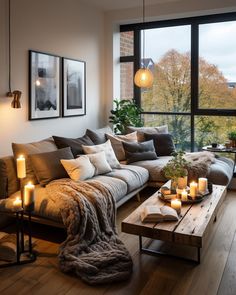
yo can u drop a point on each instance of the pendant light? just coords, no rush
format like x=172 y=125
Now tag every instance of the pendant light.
x=16 y=94
x=143 y=77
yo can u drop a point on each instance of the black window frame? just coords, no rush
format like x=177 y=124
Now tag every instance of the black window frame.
x=194 y=22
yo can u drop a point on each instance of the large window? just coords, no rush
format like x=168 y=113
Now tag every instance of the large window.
x=194 y=65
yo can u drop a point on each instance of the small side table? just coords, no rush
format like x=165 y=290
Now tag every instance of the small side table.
x=221 y=149
x=23 y=255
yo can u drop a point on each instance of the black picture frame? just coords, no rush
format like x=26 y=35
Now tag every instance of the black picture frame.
x=73 y=87
x=44 y=86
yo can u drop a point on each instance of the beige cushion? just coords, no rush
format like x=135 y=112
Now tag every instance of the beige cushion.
x=116 y=142
x=100 y=163
x=26 y=149
x=149 y=130
x=107 y=148
x=79 y=169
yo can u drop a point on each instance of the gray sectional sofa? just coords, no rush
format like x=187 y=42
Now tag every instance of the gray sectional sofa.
x=124 y=183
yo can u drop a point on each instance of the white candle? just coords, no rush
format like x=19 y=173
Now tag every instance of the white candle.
x=184 y=195
x=176 y=204
x=20 y=164
x=193 y=189
x=17 y=204
x=202 y=184
x=29 y=195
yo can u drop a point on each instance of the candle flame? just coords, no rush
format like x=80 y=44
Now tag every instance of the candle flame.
x=21 y=157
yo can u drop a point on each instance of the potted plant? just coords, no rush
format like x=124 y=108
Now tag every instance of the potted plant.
x=232 y=138
x=126 y=113
x=176 y=170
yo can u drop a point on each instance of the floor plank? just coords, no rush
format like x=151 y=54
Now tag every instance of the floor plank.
x=151 y=274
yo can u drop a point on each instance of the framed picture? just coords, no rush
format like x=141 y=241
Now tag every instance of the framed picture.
x=44 y=86
x=74 y=87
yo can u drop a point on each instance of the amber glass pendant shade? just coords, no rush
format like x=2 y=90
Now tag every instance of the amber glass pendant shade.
x=143 y=78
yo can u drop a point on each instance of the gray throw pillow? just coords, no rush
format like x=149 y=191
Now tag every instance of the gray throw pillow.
x=139 y=151
x=150 y=130
x=47 y=166
x=98 y=136
x=26 y=149
x=74 y=143
x=163 y=143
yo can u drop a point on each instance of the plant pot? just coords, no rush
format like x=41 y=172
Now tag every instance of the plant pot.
x=182 y=182
x=233 y=143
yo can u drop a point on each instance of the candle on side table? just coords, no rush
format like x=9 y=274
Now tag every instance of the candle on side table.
x=29 y=190
x=20 y=164
x=176 y=204
x=17 y=204
x=202 y=185
x=193 y=189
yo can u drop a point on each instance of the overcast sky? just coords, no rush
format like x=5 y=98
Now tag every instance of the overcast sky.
x=217 y=44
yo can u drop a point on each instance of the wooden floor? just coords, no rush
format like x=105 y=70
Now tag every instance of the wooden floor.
x=151 y=275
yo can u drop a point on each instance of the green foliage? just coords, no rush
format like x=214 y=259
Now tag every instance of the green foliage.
x=177 y=166
x=126 y=113
x=232 y=135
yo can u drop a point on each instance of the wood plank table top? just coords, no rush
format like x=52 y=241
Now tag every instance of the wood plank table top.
x=191 y=229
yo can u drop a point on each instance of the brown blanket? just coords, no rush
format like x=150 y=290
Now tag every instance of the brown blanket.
x=92 y=249
x=199 y=164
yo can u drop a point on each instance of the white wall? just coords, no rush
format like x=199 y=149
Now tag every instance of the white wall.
x=67 y=28
x=170 y=9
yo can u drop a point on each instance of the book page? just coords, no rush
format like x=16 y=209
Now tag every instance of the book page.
x=169 y=213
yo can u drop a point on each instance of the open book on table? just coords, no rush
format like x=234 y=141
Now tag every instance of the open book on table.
x=157 y=214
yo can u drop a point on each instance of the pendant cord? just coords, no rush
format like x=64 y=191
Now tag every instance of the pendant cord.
x=143 y=34
x=9 y=45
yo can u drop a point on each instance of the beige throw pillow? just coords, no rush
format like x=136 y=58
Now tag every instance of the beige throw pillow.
x=104 y=147
x=148 y=130
x=100 y=163
x=79 y=168
x=116 y=142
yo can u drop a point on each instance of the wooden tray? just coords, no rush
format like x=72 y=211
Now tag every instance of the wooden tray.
x=198 y=198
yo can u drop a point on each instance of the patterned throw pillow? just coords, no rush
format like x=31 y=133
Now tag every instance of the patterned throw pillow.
x=79 y=168
x=107 y=148
x=116 y=142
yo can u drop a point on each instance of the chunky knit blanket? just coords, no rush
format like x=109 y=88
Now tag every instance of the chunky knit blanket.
x=92 y=249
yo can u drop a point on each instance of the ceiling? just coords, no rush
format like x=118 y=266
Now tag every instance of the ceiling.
x=123 y=4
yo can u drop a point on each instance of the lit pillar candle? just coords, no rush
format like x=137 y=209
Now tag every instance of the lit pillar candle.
x=193 y=189
x=176 y=204
x=20 y=164
x=202 y=185
x=184 y=195
x=29 y=196
x=17 y=204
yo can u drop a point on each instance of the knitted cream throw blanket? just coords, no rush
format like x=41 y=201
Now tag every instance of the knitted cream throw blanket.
x=92 y=249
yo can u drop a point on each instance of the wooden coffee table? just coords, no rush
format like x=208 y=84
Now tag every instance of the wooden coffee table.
x=192 y=229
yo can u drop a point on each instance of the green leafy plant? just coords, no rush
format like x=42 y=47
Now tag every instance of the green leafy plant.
x=232 y=135
x=126 y=113
x=177 y=166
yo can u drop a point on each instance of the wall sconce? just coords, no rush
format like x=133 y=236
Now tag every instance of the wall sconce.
x=16 y=94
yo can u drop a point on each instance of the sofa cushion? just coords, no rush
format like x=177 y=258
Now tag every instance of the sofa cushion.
x=107 y=148
x=47 y=166
x=116 y=186
x=163 y=143
x=9 y=183
x=100 y=163
x=221 y=172
x=150 y=130
x=26 y=149
x=134 y=177
x=74 y=143
x=98 y=136
x=79 y=168
x=139 y=151
x=116 y=142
